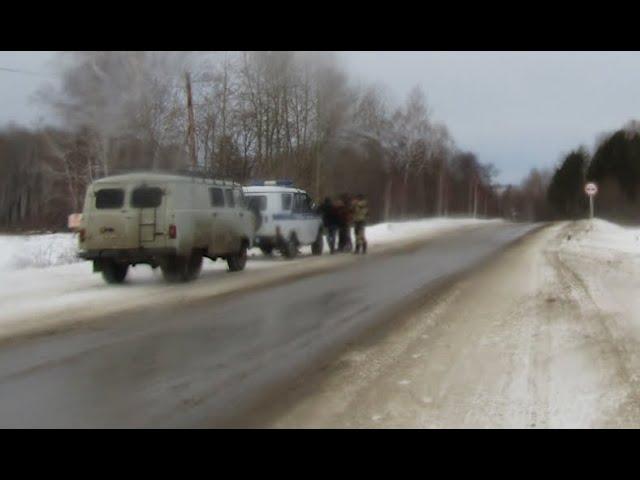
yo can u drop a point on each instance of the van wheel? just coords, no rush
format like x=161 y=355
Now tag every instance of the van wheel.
x=114 y=272
x=180 y=269
x=194 y=266
x=173 y=269
x=238 y=261
x=289 y=248
x=318 y=245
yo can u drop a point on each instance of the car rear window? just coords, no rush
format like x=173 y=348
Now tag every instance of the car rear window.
x=109 y=198
x=146 y=197
x=217 y=197
x=257 y=202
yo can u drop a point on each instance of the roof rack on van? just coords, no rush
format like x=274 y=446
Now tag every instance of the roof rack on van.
x=196 y=174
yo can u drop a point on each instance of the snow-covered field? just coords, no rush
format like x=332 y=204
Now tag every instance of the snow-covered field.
x=42 y=280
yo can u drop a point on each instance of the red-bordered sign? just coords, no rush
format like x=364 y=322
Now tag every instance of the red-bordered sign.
x=591 y=189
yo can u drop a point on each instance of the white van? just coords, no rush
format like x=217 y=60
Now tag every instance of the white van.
x=163 y=220
x=286 y=218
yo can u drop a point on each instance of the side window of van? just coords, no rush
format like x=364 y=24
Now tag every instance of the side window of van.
x=302 y=203
x=286 y=201
x=109 y=198
x=217 y=197
x=146 y=197
x=228 y=195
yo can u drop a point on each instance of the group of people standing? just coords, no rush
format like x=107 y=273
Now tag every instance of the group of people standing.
x=338 y=216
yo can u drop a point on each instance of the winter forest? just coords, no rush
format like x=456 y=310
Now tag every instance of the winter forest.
x=246 y=116
x=252 y=115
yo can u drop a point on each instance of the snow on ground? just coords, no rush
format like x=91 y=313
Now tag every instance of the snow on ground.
x=42 y=279
x=600 y=236
x=606 y=259
x=388 y=232
x=547 y=335
x=23 y=251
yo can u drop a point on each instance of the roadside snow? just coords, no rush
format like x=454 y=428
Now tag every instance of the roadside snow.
x=42 y=282
x=601 y=235
x=606 y=257
x=40 y=251
x=389 y=232
x=547 y=335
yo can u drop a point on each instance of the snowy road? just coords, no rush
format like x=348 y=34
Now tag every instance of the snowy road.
x=546 y=336
x=197 y=360
x=44 y=287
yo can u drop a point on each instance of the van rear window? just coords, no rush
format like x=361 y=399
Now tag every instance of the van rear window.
x=146 y=197
x=109 y=198
x=217 y=197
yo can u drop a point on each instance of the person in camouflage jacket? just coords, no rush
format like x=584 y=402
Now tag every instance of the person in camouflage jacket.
x=360 y=214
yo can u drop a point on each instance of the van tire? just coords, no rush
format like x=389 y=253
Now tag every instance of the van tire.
x=114 y=272
x=318 y=245
x=173 y=269
x=238 y=261
x=176 y=269
x=194 y=266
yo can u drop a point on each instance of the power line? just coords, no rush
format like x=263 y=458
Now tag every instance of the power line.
x=26 y=72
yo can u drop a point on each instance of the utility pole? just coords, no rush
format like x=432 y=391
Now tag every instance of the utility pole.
x=191 y=132
x=475 y=198
x=440 y=201
x=486 y=200
x=591 y=189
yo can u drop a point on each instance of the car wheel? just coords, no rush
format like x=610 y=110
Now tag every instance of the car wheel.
x=194 y=266
x=174 y=269
x=114 y=272
x=318 y=245
x=290 y=248
x=238 y=261
x=267 y=250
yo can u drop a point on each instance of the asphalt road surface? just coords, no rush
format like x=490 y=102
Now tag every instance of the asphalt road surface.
x=204 y=363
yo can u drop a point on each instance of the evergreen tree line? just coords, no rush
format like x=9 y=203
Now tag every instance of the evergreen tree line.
x=614 y=166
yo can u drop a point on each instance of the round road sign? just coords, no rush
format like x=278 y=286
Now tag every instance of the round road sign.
x=591 y=189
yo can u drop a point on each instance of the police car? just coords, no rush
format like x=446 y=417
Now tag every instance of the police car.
x=286 y=218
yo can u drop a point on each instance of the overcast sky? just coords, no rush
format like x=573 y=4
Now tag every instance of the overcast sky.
x=517 y=110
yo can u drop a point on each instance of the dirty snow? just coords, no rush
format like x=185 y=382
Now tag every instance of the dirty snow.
x=548 y=335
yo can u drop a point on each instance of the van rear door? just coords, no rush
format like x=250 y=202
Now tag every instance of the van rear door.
x=149 y=205
x=109 y=225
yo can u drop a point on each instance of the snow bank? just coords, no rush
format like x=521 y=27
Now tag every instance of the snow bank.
x=40 y=251
x=600 y=234
x=393 y=231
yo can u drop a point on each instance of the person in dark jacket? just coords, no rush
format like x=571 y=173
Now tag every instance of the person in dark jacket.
x=329 y=221
x=344 y=223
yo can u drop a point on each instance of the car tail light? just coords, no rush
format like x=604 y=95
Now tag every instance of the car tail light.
x=81 y=233
x=173 y=231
